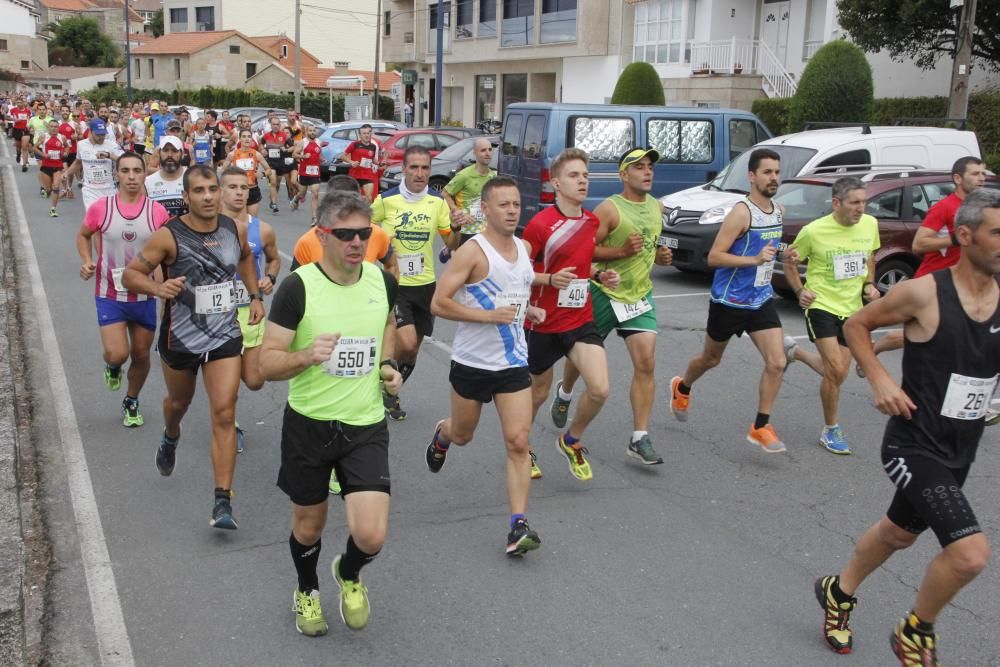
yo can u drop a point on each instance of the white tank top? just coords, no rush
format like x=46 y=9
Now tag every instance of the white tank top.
x=169 y=193
x=495 y=347
x=120 y=240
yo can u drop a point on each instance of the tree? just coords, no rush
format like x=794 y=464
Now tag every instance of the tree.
x=836 y=86
x=639 y=84
x=81 y=37
x=156 y=24
x=919 y=30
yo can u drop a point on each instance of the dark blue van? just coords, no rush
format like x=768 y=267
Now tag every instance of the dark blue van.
x=694 y=145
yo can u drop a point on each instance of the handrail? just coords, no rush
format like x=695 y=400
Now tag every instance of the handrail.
x=735 y=56
x=774 y=73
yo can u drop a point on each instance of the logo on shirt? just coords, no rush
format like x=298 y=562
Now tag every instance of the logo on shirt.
x=129 y=235
x=994 y=329
x=409 y=237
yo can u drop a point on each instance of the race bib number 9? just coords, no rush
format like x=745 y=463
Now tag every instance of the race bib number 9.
x=849 y=265
x=411 y=265
x=968 y=398
x=352 y=357
x=627 y=311
x=213 y=299
x=764 y=273
x=575 y=295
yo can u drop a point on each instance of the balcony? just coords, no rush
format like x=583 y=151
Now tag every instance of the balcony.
x=743 y=56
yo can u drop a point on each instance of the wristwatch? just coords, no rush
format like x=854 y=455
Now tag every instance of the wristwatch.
x=259 y=297
x=391 y=363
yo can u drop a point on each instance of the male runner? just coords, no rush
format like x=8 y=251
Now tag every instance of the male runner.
x=308 y=152
x=951 y=358
x=95 y=158
x=486 y=289
x=411 y=213
x=187 y=150
x=21 y=113
x=562 y=240
x=365 y=157
x=277 y=144
x=200 y=252
x=462 y=193
x=330 y=334
x=839 y=249
x=249 y=159
x=38 y=124
x=51 y=148
x=742 y=299
x=68 y=128
x=166 y=184
x=626 y=242
x=122 y=223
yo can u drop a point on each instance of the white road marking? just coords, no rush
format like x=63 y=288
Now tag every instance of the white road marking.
x=109 y=623
x=677 y=296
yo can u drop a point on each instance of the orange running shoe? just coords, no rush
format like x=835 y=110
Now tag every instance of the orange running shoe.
x=678 y=401
x=765 y=438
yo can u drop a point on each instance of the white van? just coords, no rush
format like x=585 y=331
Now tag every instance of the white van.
x=693 y=215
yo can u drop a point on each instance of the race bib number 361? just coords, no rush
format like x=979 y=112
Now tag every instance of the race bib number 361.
x=849 y=265
x=968 y=398
x=352 y=357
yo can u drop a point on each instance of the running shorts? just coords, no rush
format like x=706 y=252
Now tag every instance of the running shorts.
x=190 y=361
x=822 y=324
x=142 y=313
x=253 y=197
x=476 y=384
x=253 y=334
x=724 y=321
x=306 y=181
x=606 y=320
x=545 y=349
x=413 y=306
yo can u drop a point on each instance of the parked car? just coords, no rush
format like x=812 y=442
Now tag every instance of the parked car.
x=460 y=132
x=899 y=200
x=260 y=125
x=694 y=145
x=340 y=135
x=433 y=140
x=693 y=215
x=445 y=164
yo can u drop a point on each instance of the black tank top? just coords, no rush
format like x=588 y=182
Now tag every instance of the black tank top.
x=950 y=378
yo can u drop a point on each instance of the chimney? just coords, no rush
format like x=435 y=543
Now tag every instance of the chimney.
x=340 y=67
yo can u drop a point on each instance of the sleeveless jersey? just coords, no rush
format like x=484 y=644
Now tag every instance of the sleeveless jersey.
x=368 y=155
x=21 y=116
x=495 y=347
x=274 y=144
x=52 y=151
x=202 y=148
x=203 y=316
x=119 y=240
x=247 y=161
x=309 y=164
x=257 y=250
x=951 y=379
x=352 y=394
x=643 y=218
x=67 y=130
x=168 y=193
x=749 y=286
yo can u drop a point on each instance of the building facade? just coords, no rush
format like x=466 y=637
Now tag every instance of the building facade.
x=70 y=80
x=22 y=49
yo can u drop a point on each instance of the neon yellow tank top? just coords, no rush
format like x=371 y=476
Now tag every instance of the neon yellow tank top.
x=645 y=219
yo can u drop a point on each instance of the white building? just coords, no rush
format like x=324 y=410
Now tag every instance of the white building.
x=22 y=50
x=70 y=80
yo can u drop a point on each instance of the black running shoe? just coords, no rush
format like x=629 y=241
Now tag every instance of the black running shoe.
x=522 y=539
x=222 y=514
x=166 y=455
x=435 y=455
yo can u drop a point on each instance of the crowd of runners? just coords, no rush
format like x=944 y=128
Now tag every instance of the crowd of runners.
x=171 y=215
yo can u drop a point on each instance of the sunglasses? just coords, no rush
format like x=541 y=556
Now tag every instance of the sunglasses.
x=345 y=234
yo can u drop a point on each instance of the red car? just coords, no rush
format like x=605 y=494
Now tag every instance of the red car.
x=433 y=140
x=899 y=200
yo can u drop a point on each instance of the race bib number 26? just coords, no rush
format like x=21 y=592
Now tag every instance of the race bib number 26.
x=968 y=398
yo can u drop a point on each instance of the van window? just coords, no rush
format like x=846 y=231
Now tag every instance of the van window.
x=888 y=205
x=681 y=140
x=512 y=134
x=856 y=158
x=534 y=135
x=742 y=136
x=604 y=139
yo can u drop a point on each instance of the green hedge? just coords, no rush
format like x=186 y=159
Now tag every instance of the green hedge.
x=774 y=113
x=639 y=84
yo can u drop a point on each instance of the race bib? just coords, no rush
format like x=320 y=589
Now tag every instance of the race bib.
x=274 y=153
x=213 y=299
x=312 y=170
x=201 y=154
x=97 y=174
x=626 y=311
x=764 y=273
x=366 y=163
x=246 y=164
x=968 y=398
x=849 y=265
x=574 y=296
x=289 y=160
x=241 y=295
x=54 y=155
x=517 y=299
x=116 y=278
x=352 y=357
x=411 y=265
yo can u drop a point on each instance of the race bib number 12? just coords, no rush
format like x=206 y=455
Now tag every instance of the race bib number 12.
x=213 y=299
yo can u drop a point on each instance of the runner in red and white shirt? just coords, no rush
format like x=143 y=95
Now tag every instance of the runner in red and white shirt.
x=51 y=149
x=308 y=152
x=561 y=241
x=366 y=157
x=122 y=223
x=68 y=128
x=22 y=138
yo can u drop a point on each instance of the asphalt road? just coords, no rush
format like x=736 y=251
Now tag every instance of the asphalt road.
x=706 y=560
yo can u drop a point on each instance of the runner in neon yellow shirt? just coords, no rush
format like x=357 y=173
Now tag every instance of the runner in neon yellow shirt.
x=463 y=193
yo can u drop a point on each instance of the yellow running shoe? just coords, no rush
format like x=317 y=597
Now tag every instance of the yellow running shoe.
x=536 y=472
x=914 y=649
x=355 y=609
x=836 y=616
x=309 y=619
x=574 y=454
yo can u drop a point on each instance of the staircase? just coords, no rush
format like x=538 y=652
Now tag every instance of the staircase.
x=743 y=56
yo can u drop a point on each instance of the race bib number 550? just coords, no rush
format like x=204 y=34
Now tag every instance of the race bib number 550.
x=352 y=357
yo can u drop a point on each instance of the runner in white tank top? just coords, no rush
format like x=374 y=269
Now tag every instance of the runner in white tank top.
x=485 y=288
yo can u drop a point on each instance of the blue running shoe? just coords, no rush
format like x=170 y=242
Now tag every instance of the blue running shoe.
x=833 y=439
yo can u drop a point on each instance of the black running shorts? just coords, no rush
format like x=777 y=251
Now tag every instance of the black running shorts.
x=476 y=384
x=929 y=495
x=413 y=306
x=822 y=324
x=189 y=361
x=311 y=449
x=724 y=321
x=253 y=197
x=545 y=349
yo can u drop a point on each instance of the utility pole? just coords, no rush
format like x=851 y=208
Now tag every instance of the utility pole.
x=439 y=66
x=958 y=106
x=298 y=59
x=128 y=58
x=378 y=44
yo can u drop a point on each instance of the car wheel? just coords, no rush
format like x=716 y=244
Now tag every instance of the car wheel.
x=891 y=272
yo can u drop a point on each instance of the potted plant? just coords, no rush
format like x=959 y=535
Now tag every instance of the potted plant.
x=738 y=68
x=704 y=69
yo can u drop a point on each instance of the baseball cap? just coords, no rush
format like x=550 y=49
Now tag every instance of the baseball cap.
x=97 y=126
x=171 y=141
x=154 y=106
x=173 y=125
x=637 y=154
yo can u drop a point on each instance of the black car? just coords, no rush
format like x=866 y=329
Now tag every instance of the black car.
x=445 y=165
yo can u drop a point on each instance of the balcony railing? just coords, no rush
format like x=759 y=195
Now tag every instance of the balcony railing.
x=743 y=56
x=810 y=47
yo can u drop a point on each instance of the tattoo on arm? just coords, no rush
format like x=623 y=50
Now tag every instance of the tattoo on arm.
x=149 y=264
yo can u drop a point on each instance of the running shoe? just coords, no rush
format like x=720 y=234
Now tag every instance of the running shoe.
x=578 y=464
x=130 y=413
x=522 y=539
x=914 y=649
x=392 y=408
x=355 y=610
x=536 y=472
x=52 y=212
x=334 y=486
x=241 y=440
x=273 y=207
x=112 y=379
x=837 y=616
x=678 y=401
x=295 y=204
x=309 y=619
x=833 y=439
x=559 y=408
x=166 y=455
x=24 y=168
x=222 y=514
x=765 y=438
x=444 y=255
x=859 y=371
x=435 y=455
x=790 y=346
x=642 y=450
x=42 y=193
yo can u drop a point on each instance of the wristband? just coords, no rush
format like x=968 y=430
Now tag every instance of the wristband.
x=259 y=297
x=550 y=280
x=273 y=278
x=391 y=363
x=597 y=277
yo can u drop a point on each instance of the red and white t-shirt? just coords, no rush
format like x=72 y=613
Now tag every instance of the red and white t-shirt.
x=559 y=241
x=309 y=164
x=122 y=230
x=68 y=130
x=21 y=116
x=368 y=155
x=941 y=220
x=52 y=151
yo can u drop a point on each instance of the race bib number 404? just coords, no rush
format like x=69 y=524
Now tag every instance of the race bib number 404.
x=968 y=398
x=352 y=357
x=849 y=265
x=575 y=295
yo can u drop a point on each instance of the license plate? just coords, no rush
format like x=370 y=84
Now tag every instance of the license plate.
x=667 y=242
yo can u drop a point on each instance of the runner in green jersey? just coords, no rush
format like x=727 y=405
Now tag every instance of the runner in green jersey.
x=463 y=193
x=627 y=242
x=330 y=333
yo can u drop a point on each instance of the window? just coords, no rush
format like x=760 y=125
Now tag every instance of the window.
x=138 y=68
x=432 y=15
x=179 y=19
x=25 y=64
x=487 y=18
x=534 y=136
x=604 y=139
x=284 y=50
x=234 y=49
x=887 y=205
x=858 y=158
x=204 y=17
x=445 y=140
x=177 y=68
x=928 y=194
x=742 y=136
x=463 y=18
x=512 y=134
x=152 y=72
x=518 y=23
x=3 y=44
x=558 y=21
x=515 y=89
x=251 y=69
x=660 y=31
x=486 y=97
x=387 y=31
x=682 y=141
x=422 y=139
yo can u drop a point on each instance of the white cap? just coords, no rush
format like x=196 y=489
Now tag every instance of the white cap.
x=172 y=141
